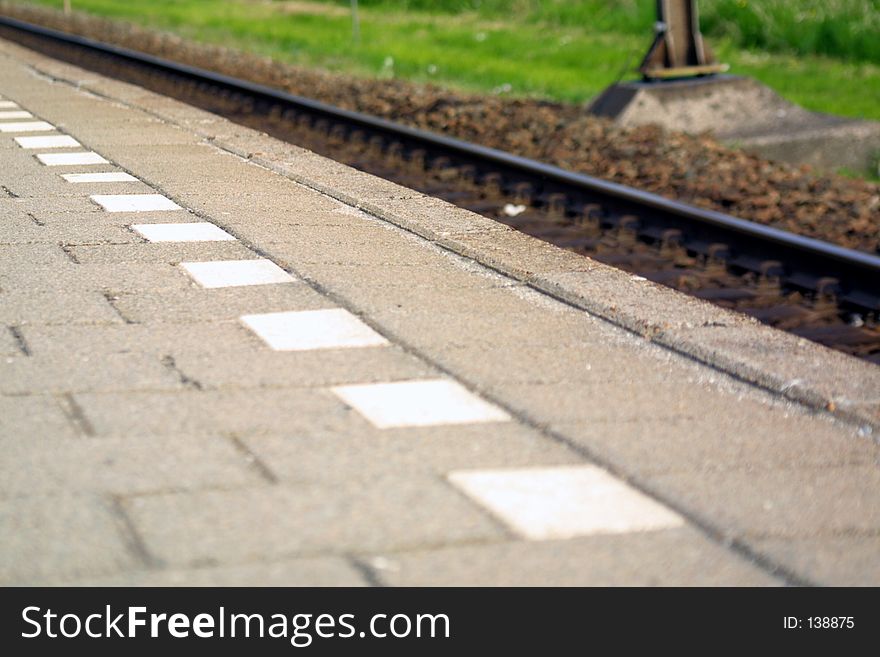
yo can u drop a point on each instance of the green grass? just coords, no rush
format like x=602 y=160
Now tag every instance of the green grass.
x=848 y=29
x=561 y=49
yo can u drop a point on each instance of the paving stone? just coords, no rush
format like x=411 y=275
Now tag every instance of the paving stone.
x=764 y=503
x=432 y=330
x=115 y=137
x=101 y=178
x=29 y=375
x=432 y=402
x=119 y=277
x=316 y=571
x=347 y=278
x=364 y=454
x=829 y=560
x=247 y=368
x=61 y=537
x=236 y=273
x=171 y=253
x=129 y=203
x=72 y=230
x=753 y=436
x=615 y=401
x=78 y=159
x=18 y=258
x=201 y=231
x=230 y=412
x=37 y=418
x=631 y=361
x=279 y=521
x=209 y=339
x=122 y=465
x=54 y=141
x=332 y=244
x=197 y=305
x=545 y=503
x=56 y=307
x=680 y=557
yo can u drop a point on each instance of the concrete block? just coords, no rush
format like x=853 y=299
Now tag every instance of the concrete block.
x=122 y=466
x=47 y=539
x=680 y=557
x=280 y=521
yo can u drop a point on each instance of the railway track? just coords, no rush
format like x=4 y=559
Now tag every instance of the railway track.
x=814 y=289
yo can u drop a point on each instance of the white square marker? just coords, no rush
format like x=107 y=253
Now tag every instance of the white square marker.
x=110 y=177
x=564 y=502
x=236 y=273
x=191 y=232
x=52 y=141
x=70 y=159
x=7 y=104
x=27 y=126
x=135 y=202
x=313 y=329
x=418 y=404
x=15 y=114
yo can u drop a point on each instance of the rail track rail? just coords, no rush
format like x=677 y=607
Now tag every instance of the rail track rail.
x=818 y=290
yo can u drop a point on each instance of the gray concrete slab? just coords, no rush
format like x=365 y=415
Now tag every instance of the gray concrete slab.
x=832 y=560
x=662 y=558
x=230 y=412
x=801 y=502
x=159 y=252
x=52 y=538
x=122 y=466
x=37 y=375
x=37 y=417
x=366 y=455
x=196 y=305
x=194 y=340
x=248 y=368
x=315 y=571
x=281 y=521
x=56 y=307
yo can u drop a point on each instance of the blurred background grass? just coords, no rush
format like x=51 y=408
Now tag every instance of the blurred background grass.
x=848 y=29
x=823 y=54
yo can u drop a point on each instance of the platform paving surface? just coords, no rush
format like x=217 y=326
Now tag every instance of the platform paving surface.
x=212 y=374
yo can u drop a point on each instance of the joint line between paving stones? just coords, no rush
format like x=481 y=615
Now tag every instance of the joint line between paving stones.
x=366 y=571
x=76 y=415
x=20 y=341
x=186 y=380
x=253 y=459
x=131 y=535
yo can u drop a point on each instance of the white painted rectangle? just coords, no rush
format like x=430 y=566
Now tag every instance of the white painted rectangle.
x=419 y=404
x=52 y=141
x=313 y=329
x=135 y=202
x=564 y=502
x=236 y=273
x=189 y=232
x=15 y=114
x=27 y=126
x=70 y=159
x=7 y=104
x=110 y=177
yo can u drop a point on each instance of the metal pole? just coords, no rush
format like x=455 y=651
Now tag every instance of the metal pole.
x=678 y=50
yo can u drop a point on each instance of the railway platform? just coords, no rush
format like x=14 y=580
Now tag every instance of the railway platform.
x=229 y=361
